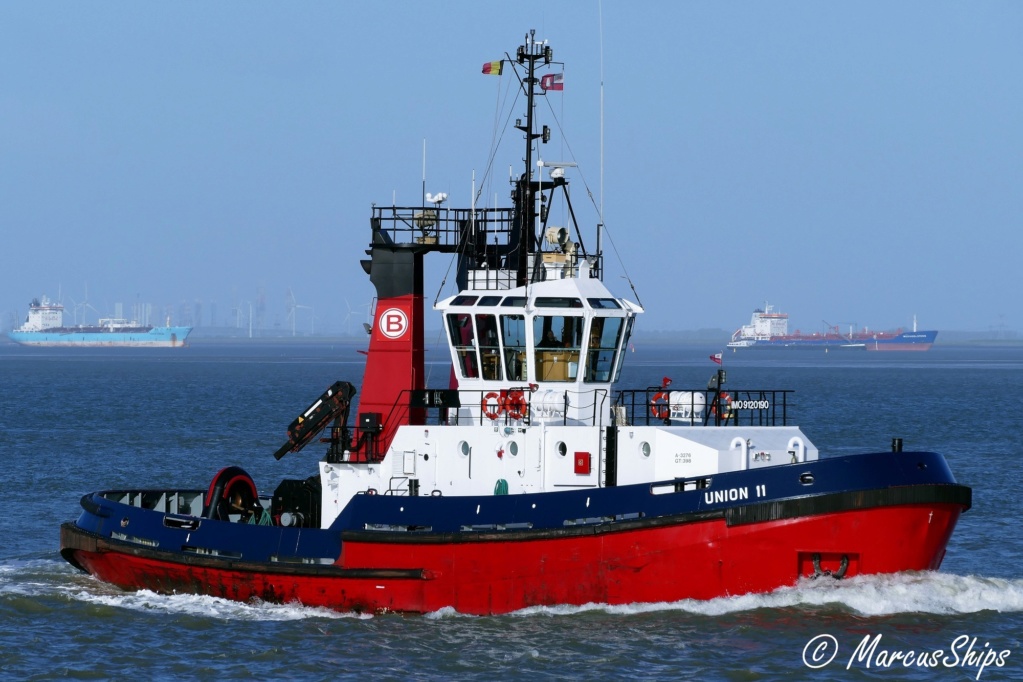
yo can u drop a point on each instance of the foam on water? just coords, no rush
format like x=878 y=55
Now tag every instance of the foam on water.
x=207 y=607
x=28 y=577
x=49 y=578
x=925 y=592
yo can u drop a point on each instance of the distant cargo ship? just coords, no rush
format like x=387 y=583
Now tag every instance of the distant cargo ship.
x=44 y=326
x=770 y=329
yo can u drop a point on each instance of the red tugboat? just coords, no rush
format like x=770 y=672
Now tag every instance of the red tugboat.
x=530 y=479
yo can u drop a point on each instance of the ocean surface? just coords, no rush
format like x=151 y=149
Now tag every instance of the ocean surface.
x=76 y=421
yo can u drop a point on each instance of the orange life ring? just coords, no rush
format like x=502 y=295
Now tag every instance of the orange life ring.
x=659 y=405
x=726 y=405
x=515 y=405
x=495 y=412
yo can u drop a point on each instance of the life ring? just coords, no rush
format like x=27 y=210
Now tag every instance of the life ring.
x=659 y=405
x=494 y=412
x=726 y=405
x=515 y=405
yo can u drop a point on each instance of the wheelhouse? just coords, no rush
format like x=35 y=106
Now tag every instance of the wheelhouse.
x=576 y=337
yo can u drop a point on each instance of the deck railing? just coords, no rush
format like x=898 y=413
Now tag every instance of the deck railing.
x=517 y=406
x=706 y=407
x=444 y=229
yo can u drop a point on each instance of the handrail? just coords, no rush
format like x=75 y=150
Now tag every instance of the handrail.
x=514 y=405
x=751 y=407
x=442 y=228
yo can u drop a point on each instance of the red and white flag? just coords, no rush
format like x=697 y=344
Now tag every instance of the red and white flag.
x=716 y=358
x=553 y=81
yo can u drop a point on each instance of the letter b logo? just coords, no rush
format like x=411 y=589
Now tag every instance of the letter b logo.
x=393 y=323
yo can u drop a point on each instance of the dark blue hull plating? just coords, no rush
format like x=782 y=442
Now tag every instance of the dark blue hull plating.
x=767 y=494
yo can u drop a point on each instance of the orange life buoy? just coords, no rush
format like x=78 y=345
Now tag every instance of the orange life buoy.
x=515 y=405
x=493 y=412
x=726 y=405
x=659 y=405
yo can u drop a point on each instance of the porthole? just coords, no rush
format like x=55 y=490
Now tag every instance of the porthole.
x=464 y=448
x=513 y=448
x=644 y=448
x=562 y=448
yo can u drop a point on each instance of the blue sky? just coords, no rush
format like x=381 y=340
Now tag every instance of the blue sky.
x=849 y=162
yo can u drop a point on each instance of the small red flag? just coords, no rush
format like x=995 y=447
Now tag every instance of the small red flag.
x=716 y=358
x=553 y=81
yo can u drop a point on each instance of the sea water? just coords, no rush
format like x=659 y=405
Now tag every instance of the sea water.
x=76 y=421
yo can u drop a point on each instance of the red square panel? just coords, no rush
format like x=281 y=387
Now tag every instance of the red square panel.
x=582 y=462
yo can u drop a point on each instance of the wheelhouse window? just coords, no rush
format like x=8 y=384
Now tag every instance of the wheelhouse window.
x=624 y=347
x=558 y=340
x=557 y=302
x=602 y=348
x=463 y=341
x=490 y=348
x=513 y=336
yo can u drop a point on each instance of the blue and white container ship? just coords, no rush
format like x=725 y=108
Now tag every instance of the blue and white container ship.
x=44 y=326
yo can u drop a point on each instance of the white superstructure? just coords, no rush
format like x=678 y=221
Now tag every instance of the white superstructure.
x=42 y=315
x=764 y=324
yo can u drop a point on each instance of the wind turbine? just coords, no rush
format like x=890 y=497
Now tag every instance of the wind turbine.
x=74 y=309
x=85 y=305
x=291 y=305
x=348 y=318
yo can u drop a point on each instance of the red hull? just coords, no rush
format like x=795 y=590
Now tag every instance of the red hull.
x=700 y=560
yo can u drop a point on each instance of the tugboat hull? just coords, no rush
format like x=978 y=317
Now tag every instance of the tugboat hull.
x=678 y=545
x=699 y=560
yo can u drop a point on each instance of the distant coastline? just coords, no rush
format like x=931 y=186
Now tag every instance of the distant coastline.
x=206 y=336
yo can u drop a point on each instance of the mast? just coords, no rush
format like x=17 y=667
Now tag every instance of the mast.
x=529 y=54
